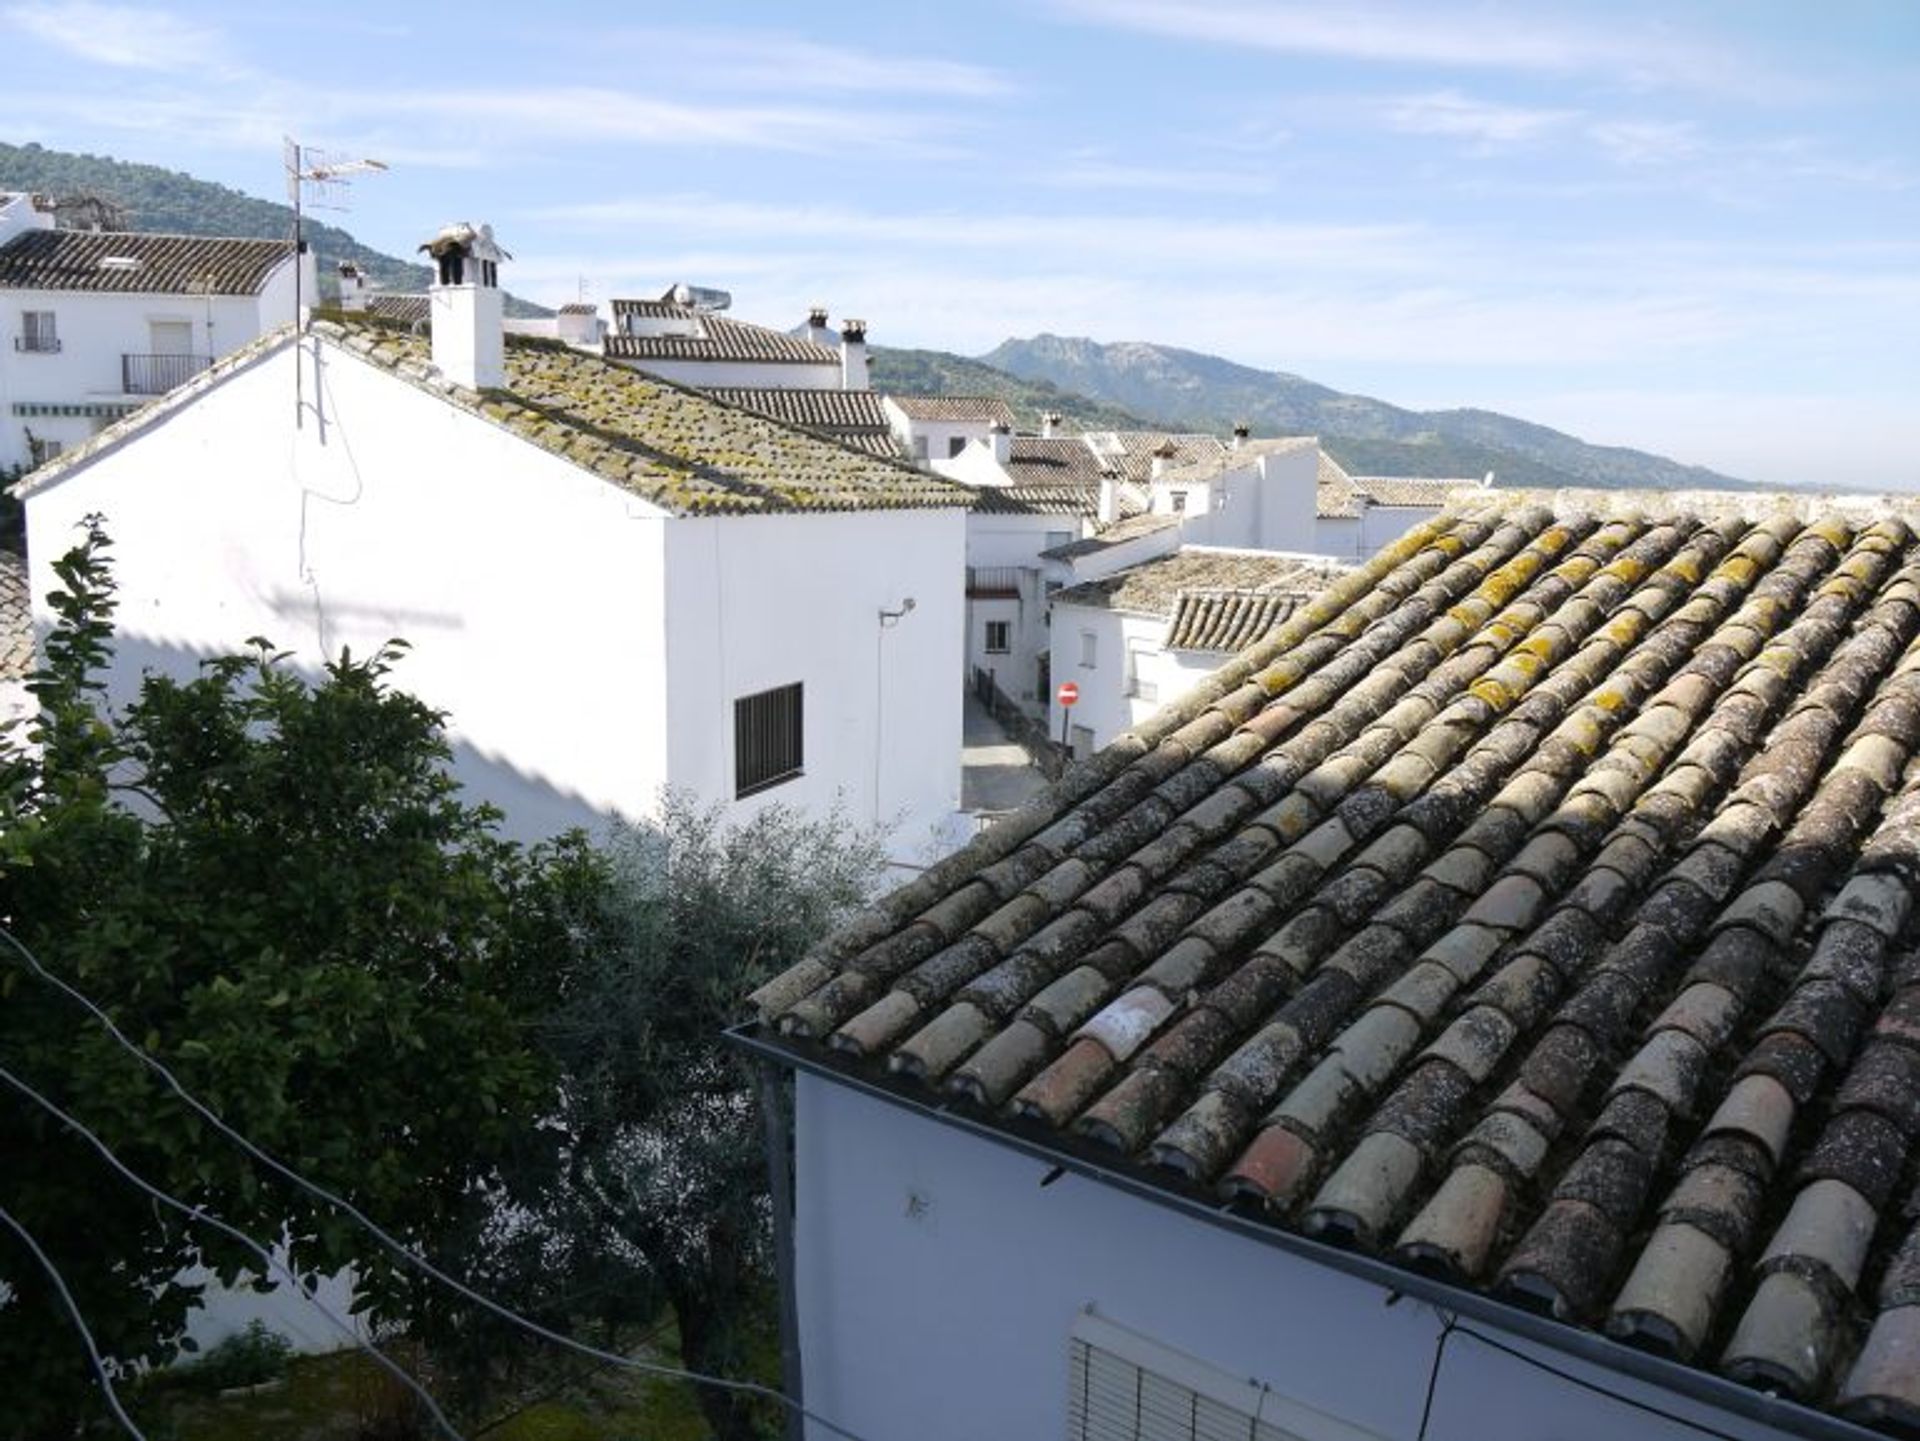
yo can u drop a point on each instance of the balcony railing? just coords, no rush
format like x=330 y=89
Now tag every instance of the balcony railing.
x=43 y=344
x=157 y=374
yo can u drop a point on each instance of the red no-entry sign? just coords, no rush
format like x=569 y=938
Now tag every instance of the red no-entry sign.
x=1068 y=692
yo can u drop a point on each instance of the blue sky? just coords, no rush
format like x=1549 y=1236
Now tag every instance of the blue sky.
x=1691 y=228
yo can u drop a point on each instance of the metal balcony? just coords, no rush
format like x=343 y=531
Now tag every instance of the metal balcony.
x=157 y=374
x=40 y=344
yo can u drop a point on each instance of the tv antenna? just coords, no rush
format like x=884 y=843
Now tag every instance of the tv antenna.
x=317 y=178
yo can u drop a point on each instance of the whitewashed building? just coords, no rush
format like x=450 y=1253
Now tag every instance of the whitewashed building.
x=1355 y=515
x=1142 y=636
x=686 y=337
x=1484 y=1010
x=610 y=583
x=101 y=322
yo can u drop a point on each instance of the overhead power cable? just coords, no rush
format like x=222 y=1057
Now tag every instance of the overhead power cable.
x=398 y=1248
x=79 y=1323
x=272 y=1262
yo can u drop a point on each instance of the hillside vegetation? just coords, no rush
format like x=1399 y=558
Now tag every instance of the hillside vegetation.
x=1368 y=436
x=175 y=203
x=935 y=372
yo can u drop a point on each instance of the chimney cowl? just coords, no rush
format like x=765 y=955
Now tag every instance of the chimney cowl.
x=817 y=318
x=1050 y=424
x=853 y=332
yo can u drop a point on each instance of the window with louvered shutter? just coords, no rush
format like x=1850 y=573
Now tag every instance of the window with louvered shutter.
x=768 y=739
x=1122 y=1386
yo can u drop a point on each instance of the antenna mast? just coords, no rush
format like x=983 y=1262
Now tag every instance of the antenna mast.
x=317 y=178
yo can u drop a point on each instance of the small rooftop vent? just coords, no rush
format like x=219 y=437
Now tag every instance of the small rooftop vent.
x=121 y=262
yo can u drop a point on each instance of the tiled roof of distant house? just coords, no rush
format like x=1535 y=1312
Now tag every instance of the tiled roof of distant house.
x=1119 y=533
x=103 y=260
x=1531 y=908
x=670 y=445
x=955 y=407
x=854 y=418
x=720 y=338
x=402 y=309
x=1079 y=500
x=1053 y=460
x=1207 y=466
x=1337 y=498
x=1131 y=452
x=1154 y=587
x=1411 y=490
x=16 y=618
x=1215 y=600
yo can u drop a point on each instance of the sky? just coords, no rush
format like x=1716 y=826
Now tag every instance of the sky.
x=1690 y=228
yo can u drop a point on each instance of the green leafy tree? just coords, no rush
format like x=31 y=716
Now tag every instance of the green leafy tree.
x=276 y=888
x=655 y=1191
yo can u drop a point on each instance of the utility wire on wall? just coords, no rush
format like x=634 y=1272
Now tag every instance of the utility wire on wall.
x=398 y=1248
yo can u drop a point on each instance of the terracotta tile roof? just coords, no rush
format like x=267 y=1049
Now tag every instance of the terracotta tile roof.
x=955 y=407
x=1415 y=490
x=403 y=309
x=720 y=338
x=853 y=418
x=1209 y=465
x=1053 y=460
x=1078 y=500
x=165 y=264
x=1119 y=533
x=1131 y=451
x=668 y=444
x=16 y=618
x=1155 y=587
x=1337 y=498
x=1531 y=908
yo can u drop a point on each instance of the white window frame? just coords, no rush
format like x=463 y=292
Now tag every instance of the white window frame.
x=1089 y=650
x=1005 y=628
x=1175 y=1396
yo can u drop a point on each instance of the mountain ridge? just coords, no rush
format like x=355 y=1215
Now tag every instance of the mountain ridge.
x=1193 y=389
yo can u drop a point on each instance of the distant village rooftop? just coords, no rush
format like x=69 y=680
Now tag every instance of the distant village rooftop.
x=126 y=262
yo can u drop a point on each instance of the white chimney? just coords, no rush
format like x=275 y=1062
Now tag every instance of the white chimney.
x=578 y=323
x=1163 y=455
x=1240 y=434
x=469 y=346
x=816 y=328
x=1050 y=424
x=1109 y=507
x=1000 y=439
x=853 y=355
x=354 y=290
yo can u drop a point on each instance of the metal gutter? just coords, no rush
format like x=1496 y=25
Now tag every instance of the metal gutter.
x=1763 y=1408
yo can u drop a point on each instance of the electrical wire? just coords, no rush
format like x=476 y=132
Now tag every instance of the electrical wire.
x=79 y=1323
x=1452 y=1327
x=196 y=1213
x=398 y=1248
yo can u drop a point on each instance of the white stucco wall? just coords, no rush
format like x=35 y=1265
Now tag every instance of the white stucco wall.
x=745 y=374
x=1108 y=704
x=529 y=591
x=939 y=1275
x=1014 y=542
x=1382 y=524
x=755 y=602
x=94 y=331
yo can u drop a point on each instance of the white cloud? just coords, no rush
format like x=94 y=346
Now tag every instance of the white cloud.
x=1092 y=174
x=1451 y=35
x=1488 y=125
x=123 y=36
x=1646 y=142
x=760 y=61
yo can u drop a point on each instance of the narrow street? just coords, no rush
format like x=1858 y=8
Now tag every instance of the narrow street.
x=996 y=774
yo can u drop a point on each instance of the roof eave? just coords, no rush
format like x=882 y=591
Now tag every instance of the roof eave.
x=753 y=1039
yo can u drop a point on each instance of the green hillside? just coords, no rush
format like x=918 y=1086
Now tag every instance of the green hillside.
x=935 y=372
x=175 y=203
x=1367 y=436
